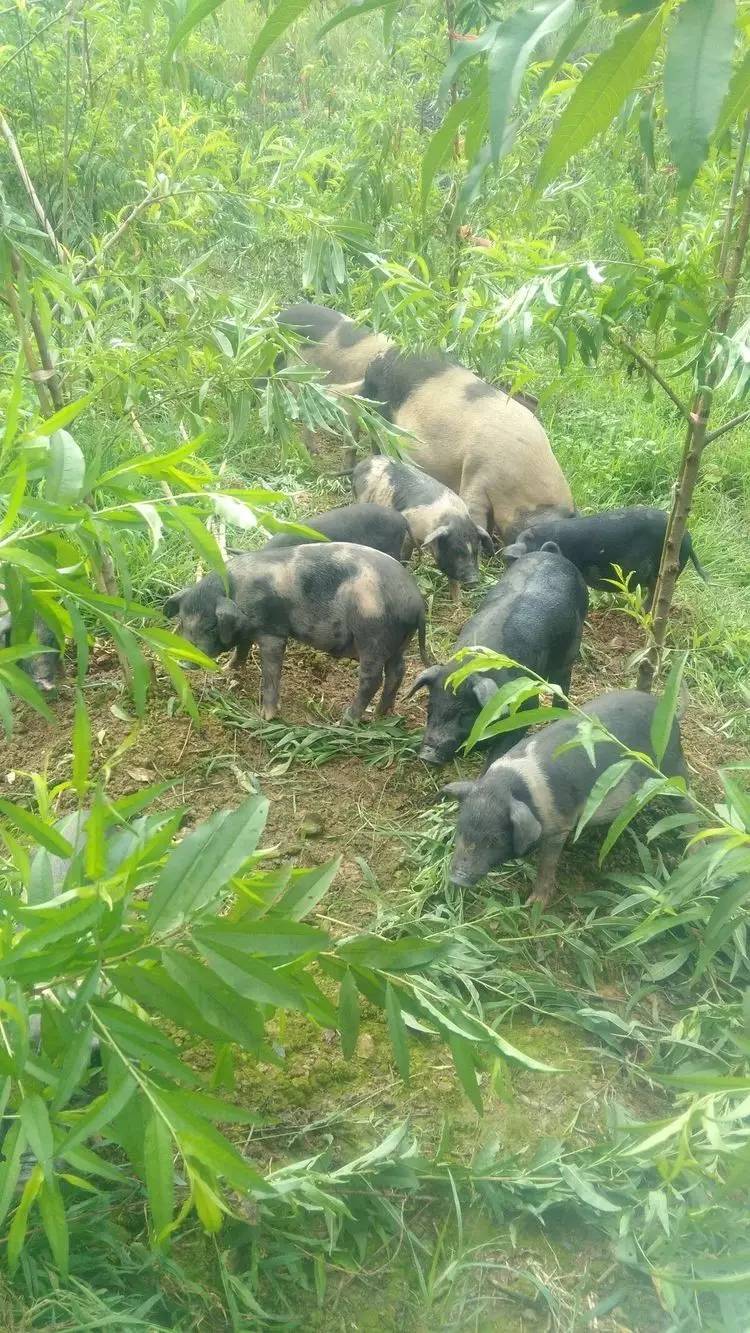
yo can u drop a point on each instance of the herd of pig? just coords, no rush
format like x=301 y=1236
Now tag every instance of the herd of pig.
x=482 y=473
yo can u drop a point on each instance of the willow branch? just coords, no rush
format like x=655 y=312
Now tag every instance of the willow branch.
x=651 y=370
x=61 y=253
x=728 y=425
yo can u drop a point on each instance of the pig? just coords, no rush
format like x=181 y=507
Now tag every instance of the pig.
x=336 y=344
x=631 y=538
x=346 y=600
x=476 y=440
x=438 y=519
x=534 y=795
x=363 y=524
x=44 y=669
x=535 y=615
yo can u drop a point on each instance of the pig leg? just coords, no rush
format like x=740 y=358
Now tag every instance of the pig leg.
x=395 y=668
x=549 y=855
x=370 y=676
x=454 y=590
x=271 y=658
x=309 y=441
x=407 y=550
x=238 y=658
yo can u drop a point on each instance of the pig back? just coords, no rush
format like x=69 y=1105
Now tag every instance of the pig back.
x=482 y=443
x=338 y=346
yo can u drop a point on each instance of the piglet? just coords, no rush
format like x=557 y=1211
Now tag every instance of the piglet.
x=363 y=524
x=630 y=538
x=438 y=518
x=535 y=615
x=534 y=795
x=346 y=600
x=45 y=669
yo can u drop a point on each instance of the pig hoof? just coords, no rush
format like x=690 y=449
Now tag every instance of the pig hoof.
x=268 y=714
x=539 y=896
x=351 y=718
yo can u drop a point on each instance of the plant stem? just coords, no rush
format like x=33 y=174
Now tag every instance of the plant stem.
x=695 y=442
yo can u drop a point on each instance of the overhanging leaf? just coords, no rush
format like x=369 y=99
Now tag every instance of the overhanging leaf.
x=66 y=469
x=666 y=709
x=283 y=16
x=738 y=97
x=204 y=862
x=195 y=15
x=601 y=93
x=509 y=55
x=696 y=76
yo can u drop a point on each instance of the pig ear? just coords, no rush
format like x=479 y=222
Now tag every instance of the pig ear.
x=486 y=540
x=551 y=546
x=172 y=604
x=514 y=552
x=424 y=680
x=455 y=791
x=231 y=621
x=526 y=827
x=483 y=689
x=436 y=534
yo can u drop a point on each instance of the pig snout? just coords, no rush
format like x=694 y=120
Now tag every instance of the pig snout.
x=463 y=876
x=429 y=754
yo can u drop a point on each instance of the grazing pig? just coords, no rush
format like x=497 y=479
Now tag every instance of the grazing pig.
x=43 y=668
x=535 y=615
x=363 y=524
x=631 y=538
x=438 y=519
x=345 y=600
x=335 y=344
x=534 y=795
x=482 y=444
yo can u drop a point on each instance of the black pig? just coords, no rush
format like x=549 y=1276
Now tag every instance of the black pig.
x=631 y=538
x=534 y=795
x=363 y=524
x=438 y=518
x=44 y=668
x=343 y=599
x=535 y=615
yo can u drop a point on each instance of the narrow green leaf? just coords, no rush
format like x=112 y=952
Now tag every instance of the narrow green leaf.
x=306 y=889
x=731 y=901
x=508 y=56
x=652 y=787
x=441 y=143
x=200 y=1140
x=585 y=1191
x=128 y=645
x=217 y=1002
x=250 y=978
x=198 y=11
x=158 y=1157
x=75 y=1064
x=697 y=69
x=98 y=1114
x=348 y=1014
x=564 y=50
x=81 y=746
x=66 y=470
x=17 y=1233
x=14 y=1145
x=204 y=542
x=601 y=93
x=36 y=829
x=737 y=99
x=351 y=12
x=54 y=1221
x=397 y=1031
x=282 y=17
x=463 y=1059
x=204 y=862
x=602 y=787
x=66 y=414
x=15 y=499
x=666 y=709
x=19 y=683
x=739 y=800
